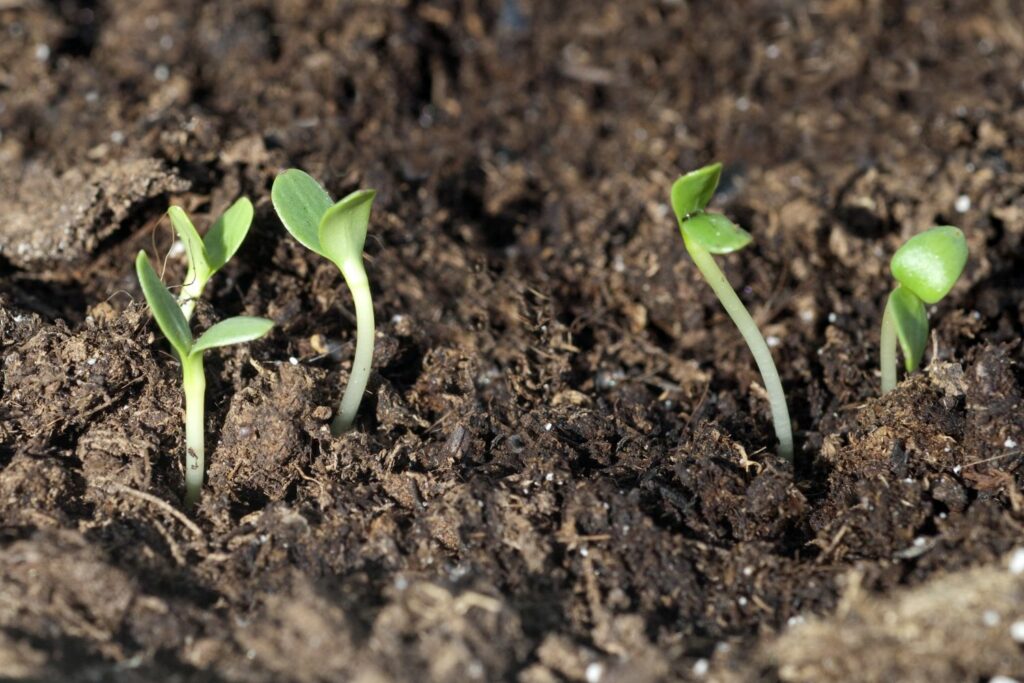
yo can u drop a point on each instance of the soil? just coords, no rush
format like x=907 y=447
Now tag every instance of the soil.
x=563 y=469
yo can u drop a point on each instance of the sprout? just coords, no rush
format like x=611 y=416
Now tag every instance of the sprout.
x=926 y=268
x=337 y=232
x=173 y=324
x=207 y=256
x=705 y=234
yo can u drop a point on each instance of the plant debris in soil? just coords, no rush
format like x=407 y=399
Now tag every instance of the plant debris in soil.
x=563 y=469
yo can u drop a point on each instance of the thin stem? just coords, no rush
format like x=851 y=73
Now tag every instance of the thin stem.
x=887 y=348
x=355 y=277
x=195 y=397
x=748 y=329
x=190 y=293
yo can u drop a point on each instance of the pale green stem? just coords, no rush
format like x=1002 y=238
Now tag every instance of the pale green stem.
x=887 y=348
x=355 y=277
x=195 y=397
x=190 y=293
x=748 y=329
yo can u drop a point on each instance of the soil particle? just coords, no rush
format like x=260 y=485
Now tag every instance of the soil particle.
x=563 y=468
x=62 y=219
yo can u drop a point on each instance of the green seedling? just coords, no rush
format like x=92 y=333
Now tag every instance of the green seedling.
x=336 y=231
x=926 y=268
x=190 y=351
x=705 y=234
x=208 y=255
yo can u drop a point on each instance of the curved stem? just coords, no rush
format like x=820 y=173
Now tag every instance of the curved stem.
x=195 y=398
x=887 y=348
x=748 y=328
x=355 y=277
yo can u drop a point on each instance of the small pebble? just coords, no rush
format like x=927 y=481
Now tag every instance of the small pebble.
x=594 y=672
x=293 y=360
x=42 y=52
x=1009 y=443
x=962 y=204
x=1017 y=631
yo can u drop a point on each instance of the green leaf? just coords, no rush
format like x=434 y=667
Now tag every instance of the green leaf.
x=343 y=228
x=165 y=309
x=198 y=261
x=232 y=331
x=227 y=234
x=300 y=202
x=714 y=232
x=911 y=325
x=692 y=192
x=929 y=264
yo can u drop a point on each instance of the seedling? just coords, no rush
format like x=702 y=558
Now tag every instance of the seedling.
x=704 y=234
x=926 y=268
x=208 y=255
x=336 y=231
x=190 y=351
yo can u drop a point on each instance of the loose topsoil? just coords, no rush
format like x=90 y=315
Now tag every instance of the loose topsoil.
x=563 y=469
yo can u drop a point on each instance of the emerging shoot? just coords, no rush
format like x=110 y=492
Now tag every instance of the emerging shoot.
x=336 y=231
x=926 y=268
x=208 y=255
x=190 y=351
x=705 y=234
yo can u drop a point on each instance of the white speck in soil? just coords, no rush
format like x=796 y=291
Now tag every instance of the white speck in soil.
x=594 y=672
x=772 y=51
x=741 y=601
x=550 y=476
x=832 y=317
x=1017 y=631
x=962 y=204
x=161 y=73
x=293 y=360
x=584 y=552
x=700 y=667
x=1017 y=561
x=166 y=42
x=742 y=103
x=547 y=427
x=117 y=137
x=42 y=52
x=1002 y=679
x=773 y=341
x=1009 y=443
x=990 y=618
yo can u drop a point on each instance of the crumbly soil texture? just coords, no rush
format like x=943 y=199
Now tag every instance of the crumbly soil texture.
x=564 y=468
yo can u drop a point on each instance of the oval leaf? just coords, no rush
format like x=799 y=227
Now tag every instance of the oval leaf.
x=198 y=260
x=227 y=234
x=692 y=192
x=911 y=325
x=165 y=309
x=232 y=331
x=714 y=232
x=929 y=264
x=343 y=228
x=300 y=202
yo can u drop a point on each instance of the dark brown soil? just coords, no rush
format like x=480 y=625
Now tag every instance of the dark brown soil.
x=563 y=470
